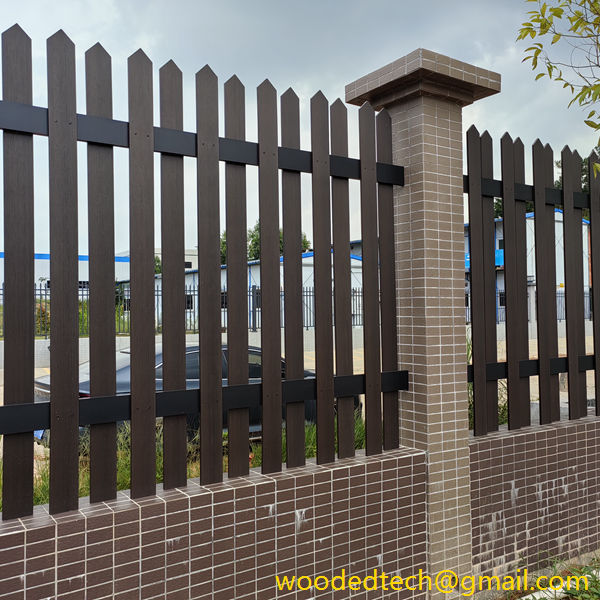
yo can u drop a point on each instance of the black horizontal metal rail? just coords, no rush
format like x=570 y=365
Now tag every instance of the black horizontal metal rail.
x=20 y=418
x=25 y=118
x=530 y=368
x=524 y=192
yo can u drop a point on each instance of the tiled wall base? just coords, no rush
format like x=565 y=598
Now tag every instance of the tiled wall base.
x=228 y=541
x=535 y=495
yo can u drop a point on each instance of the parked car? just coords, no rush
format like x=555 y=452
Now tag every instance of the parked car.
x=123 y=381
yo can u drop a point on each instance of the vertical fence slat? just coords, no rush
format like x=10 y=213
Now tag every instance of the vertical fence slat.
x=480 y=407
x=370 y=268
x=268 y=199
x=594 y=180
x=515 y=284
x=237 y=326
x=209 y=292
x=573 y=246
x=292 y=278
x=387 y=279
x=489 y=277
x=173 y=277
x=141 y=241
x=341 y=268
x=17 y=472
x=319 y=128
x=64 y=349
x=545 y=268
x=103 y=463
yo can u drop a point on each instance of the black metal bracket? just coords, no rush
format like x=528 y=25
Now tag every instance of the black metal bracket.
x=22 y=418
x=523 y=192
x=530 y=368
x=24 y=118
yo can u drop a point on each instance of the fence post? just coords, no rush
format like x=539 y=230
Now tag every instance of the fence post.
x=424 y=93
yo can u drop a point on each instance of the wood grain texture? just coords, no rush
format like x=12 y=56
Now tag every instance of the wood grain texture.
x=319 y=128
x=209 y=290
x=545 y=268
x=595 y=256
x=268 y=202
x=370 y=268
x=573 y=247
x=17 y=472
x=141 y=240
x=173 y=276
x=387 y=283
x=237 y=326
x=64 y=326
x=340 y=215
x=101 y=221
x=292 y=279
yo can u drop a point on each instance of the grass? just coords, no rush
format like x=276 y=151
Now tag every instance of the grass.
x=41 y=479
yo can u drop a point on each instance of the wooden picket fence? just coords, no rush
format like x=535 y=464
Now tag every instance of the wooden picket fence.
x=543 y=198
x=331 y=169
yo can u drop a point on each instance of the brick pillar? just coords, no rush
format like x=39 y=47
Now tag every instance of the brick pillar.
x=424 y=93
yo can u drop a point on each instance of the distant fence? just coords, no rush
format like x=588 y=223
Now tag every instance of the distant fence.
x=192 y=315
x=561 y=307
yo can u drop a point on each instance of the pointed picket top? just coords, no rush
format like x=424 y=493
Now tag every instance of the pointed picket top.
x=266 y=90
x=59 y=40
x=594 y=156
x=366 y=109
x=538 y=146
x=384 y=116
x=318 y=98
x=339 y=110
x=170 y=68
x=97 y=53
x=486 y=138
x=577 y=156
x=206 y=75
x=233 y=84
x=139 y=57
x=472 y=131
x=290 y=96
x=506 y=139
x=519 y=142
x=15 y=34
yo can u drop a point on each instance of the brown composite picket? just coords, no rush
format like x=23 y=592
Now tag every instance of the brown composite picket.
x=387 y=282
x=209 y=293
x=545 y=268
x=572 y=215
x=141 y=242
x=489 y=278
x=101 y=220
x=64 y=345
x=340 y=206
x=476 y=244
x=268 y=201
x=17 y=474
x=292 y=279
x=173 y=277
x=319 y=128
x=370 y=277
x=594 y=250
x=237 y=329
x=515 y=277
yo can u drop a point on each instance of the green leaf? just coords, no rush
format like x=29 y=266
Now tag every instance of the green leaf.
x=556 y=37
x=539 y=76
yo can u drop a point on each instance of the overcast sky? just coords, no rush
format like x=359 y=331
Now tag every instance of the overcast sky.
x=310 y=45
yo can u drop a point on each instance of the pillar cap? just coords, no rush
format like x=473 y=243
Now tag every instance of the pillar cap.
x=423 y=73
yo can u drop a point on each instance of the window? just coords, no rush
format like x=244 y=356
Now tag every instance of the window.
x=501 y=298
x=501 y=244
x=192 y=366
x=188 y=264
x=189 y=302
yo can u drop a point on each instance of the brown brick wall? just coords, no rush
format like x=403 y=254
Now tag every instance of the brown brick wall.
x=535 y=495
x=229 y=540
